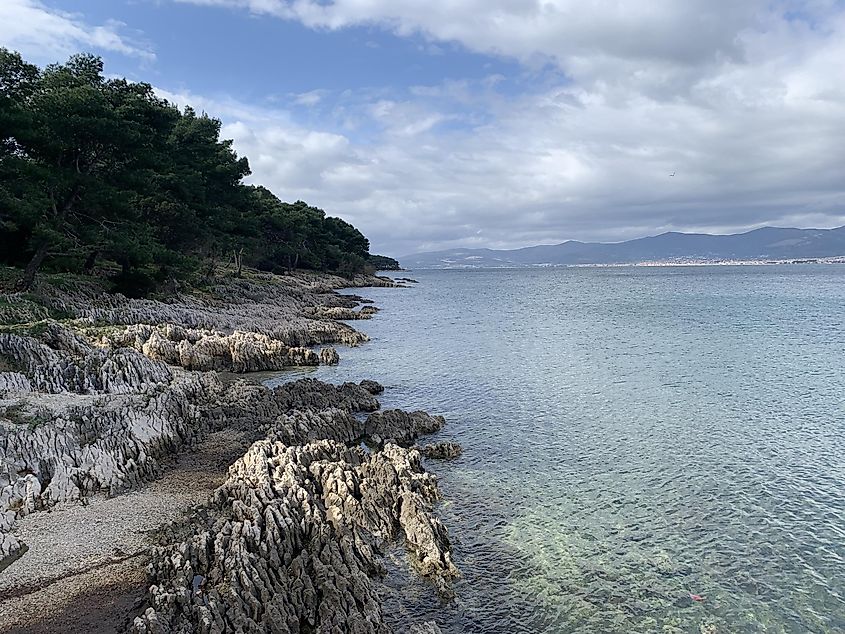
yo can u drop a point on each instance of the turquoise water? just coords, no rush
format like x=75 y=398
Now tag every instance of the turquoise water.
x=631 y=436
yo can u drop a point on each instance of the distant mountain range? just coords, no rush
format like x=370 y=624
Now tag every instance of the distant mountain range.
x=767 y=243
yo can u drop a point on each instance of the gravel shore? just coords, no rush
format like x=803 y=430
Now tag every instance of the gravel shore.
x=85 y=570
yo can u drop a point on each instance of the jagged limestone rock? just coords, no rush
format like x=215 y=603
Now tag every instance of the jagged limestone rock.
x=70 y=445
x=299 y=427
x=195 y=349
x=13 y=382
x=248 y=405
x=69 y=364
x=260 y=322
x=329 y=356
x=75 y=420
x=343 y=312
x=296 y=545
x=292 y=540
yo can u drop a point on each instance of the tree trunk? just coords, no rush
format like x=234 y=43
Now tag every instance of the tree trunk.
x=88 y=267
x=239 y=260
x=28 y=277
x=212 y=265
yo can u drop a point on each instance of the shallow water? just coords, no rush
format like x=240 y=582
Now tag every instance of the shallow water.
x=631 y=436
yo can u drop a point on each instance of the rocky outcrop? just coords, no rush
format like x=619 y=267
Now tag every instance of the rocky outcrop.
x=66 y=363
x=76 y=420
x=296 y=547
x=442 y=450
x=247 y=404
x=204 y=350
x=293 y=539
x=400 y=427
x=259 y=322
x=342 y=312
x=372 y=386
x=95 y=404
x=329 y=356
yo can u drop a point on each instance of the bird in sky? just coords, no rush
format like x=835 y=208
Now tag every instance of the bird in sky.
x=672 y=174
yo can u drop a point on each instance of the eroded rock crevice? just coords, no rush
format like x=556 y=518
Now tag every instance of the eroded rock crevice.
x=298 y=541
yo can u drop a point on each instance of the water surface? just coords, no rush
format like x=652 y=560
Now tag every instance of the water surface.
x=631 y=436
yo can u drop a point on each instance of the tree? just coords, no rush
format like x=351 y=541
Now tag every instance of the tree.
x=102 y=170
x=77 y=139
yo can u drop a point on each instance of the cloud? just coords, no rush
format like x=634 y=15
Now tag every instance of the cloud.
x=47 y=35
x=563 y=162
x=310 y=98
x=572 y=32
x=742 y=100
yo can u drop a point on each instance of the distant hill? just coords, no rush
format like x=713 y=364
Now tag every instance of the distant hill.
x=767 y=243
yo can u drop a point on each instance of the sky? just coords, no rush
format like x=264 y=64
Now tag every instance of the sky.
x=497 y=123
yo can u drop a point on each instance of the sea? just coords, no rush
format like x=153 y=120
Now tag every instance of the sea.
x=645 y=449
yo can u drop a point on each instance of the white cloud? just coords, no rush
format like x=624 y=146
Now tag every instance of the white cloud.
x=744 y=101
x=310 y=98
x=45 y=35
x=562 y=163
x=573 y=32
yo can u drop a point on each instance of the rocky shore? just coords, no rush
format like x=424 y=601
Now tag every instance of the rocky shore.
x=141 y=492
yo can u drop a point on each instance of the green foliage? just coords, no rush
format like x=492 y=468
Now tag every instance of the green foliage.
x=100 y=173
x=383 y=263
x=284 y=236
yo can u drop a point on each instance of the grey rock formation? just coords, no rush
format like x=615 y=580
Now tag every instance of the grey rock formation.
x=69 y=364
x=296 y=546
x=74 y=423
x=292 y=541
x=442 y=450
x=342 y=312
x=329 y=356
x=264 y=322
x=400 y=427
x=248 y=405
x=196 y=349
x=372 y=386
x=96 y=404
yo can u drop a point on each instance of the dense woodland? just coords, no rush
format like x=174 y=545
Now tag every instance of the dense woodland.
x=101 y=176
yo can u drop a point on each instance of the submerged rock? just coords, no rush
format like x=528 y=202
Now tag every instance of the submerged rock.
x=401 y=427
x=372 y=386
x=442 y=450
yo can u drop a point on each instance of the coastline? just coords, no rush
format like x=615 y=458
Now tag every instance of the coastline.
x=680 y=262
x=116 y=429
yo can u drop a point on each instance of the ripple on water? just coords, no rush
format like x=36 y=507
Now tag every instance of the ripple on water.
x=631 y=437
